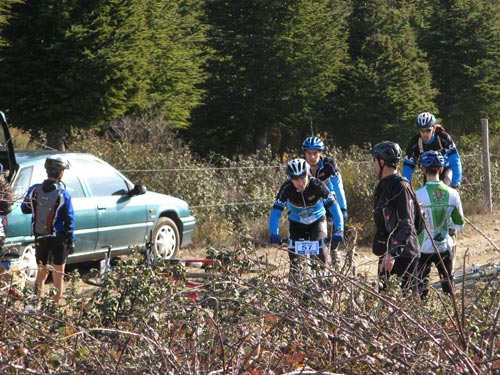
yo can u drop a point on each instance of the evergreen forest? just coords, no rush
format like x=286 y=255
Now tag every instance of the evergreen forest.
x=235 y=77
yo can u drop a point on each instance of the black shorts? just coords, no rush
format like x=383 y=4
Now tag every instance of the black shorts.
x=55 y=245
x=314 y=232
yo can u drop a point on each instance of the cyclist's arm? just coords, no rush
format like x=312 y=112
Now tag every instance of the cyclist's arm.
x=408 y=168
x=338 y=188
x=455 y=164
x=457 y=215
x=26 y=205
x=403 y=204
x=333 y=207
x=274 y=219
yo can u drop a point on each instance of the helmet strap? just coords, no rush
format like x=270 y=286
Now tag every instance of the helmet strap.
x=380 y=169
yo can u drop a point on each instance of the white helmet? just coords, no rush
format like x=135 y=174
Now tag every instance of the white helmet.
x=297 y=168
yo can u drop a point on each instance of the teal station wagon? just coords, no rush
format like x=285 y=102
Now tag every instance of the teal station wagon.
x=110 y=211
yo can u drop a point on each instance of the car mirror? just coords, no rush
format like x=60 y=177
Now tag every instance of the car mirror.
x=138 y=190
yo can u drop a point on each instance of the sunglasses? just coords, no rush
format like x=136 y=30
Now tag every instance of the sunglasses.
x=428 y=130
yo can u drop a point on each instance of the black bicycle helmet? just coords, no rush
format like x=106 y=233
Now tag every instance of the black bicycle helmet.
x=388 y=151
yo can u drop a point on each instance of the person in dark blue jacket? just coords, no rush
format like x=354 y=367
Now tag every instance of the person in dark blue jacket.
x=433 y=137
x=306 y=199
x=53 y=223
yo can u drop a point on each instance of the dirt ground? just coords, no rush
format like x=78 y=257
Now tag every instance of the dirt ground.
x=477 y=244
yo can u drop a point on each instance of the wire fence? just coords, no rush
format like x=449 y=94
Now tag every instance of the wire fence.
x=238 y=193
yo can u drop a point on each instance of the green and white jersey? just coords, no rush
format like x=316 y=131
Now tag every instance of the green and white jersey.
x=442 y=208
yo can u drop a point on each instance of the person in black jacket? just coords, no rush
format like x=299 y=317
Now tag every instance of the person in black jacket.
x=395 y=210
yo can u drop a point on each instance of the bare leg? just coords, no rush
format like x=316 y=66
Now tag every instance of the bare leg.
x=41 y=277
x=58 y=279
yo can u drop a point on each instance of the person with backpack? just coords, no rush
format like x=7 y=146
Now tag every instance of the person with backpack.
x=53 y=225
x=325 y=168
x=397 y=218
x=443 y=213
x=307 y=199
x=433 y=136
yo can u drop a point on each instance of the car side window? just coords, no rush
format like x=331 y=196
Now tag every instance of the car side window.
x=72 y=183
x=102 y=180
x=22 y=183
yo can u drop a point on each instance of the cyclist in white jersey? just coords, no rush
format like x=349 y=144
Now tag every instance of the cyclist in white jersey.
x=443 y=213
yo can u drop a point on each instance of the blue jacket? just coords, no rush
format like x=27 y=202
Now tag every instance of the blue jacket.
x=327 y=171
x=305 y=207
x=440 y=141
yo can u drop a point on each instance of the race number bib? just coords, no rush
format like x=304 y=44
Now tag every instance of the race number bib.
x=307 y=247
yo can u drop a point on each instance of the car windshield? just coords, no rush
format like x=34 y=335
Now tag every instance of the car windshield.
x=22 y=182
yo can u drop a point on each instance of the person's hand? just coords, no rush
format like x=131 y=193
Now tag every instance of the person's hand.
x=70 y=246
x=452 y=232
x=338 y=236
x=275 y=238
x=387 y=263
x=396 y=250
x=344 y=214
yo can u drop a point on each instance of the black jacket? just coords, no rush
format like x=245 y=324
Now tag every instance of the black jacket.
x=394 y=215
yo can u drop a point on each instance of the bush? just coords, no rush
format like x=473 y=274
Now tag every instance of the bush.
x=246 y=319
x=231 y=195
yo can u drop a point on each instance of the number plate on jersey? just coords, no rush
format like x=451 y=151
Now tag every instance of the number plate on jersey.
x=307 y=247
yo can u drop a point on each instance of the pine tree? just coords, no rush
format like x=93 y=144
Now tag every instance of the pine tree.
x=388 y=82
x=72 y=63
x=274 y=63
x=79 y=63
x=176 y=55
x=462 y=41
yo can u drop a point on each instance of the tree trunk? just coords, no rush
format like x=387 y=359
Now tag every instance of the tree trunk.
x=261 y=142
x=55 y=140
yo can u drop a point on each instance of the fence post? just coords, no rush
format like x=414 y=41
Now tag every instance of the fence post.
x=486 y=165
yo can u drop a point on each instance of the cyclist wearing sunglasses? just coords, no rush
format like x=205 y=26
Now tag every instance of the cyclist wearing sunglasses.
x=433 y=137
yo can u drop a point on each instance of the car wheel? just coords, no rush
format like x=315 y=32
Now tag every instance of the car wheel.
x=166 y=239
x=28 y=262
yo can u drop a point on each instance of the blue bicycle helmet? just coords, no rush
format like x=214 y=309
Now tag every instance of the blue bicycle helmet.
x=431 y=159
x=313 y=143
x=297 y=168
x=425 y=120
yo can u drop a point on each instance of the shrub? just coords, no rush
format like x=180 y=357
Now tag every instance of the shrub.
x=228 y=195
x=247 y=319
